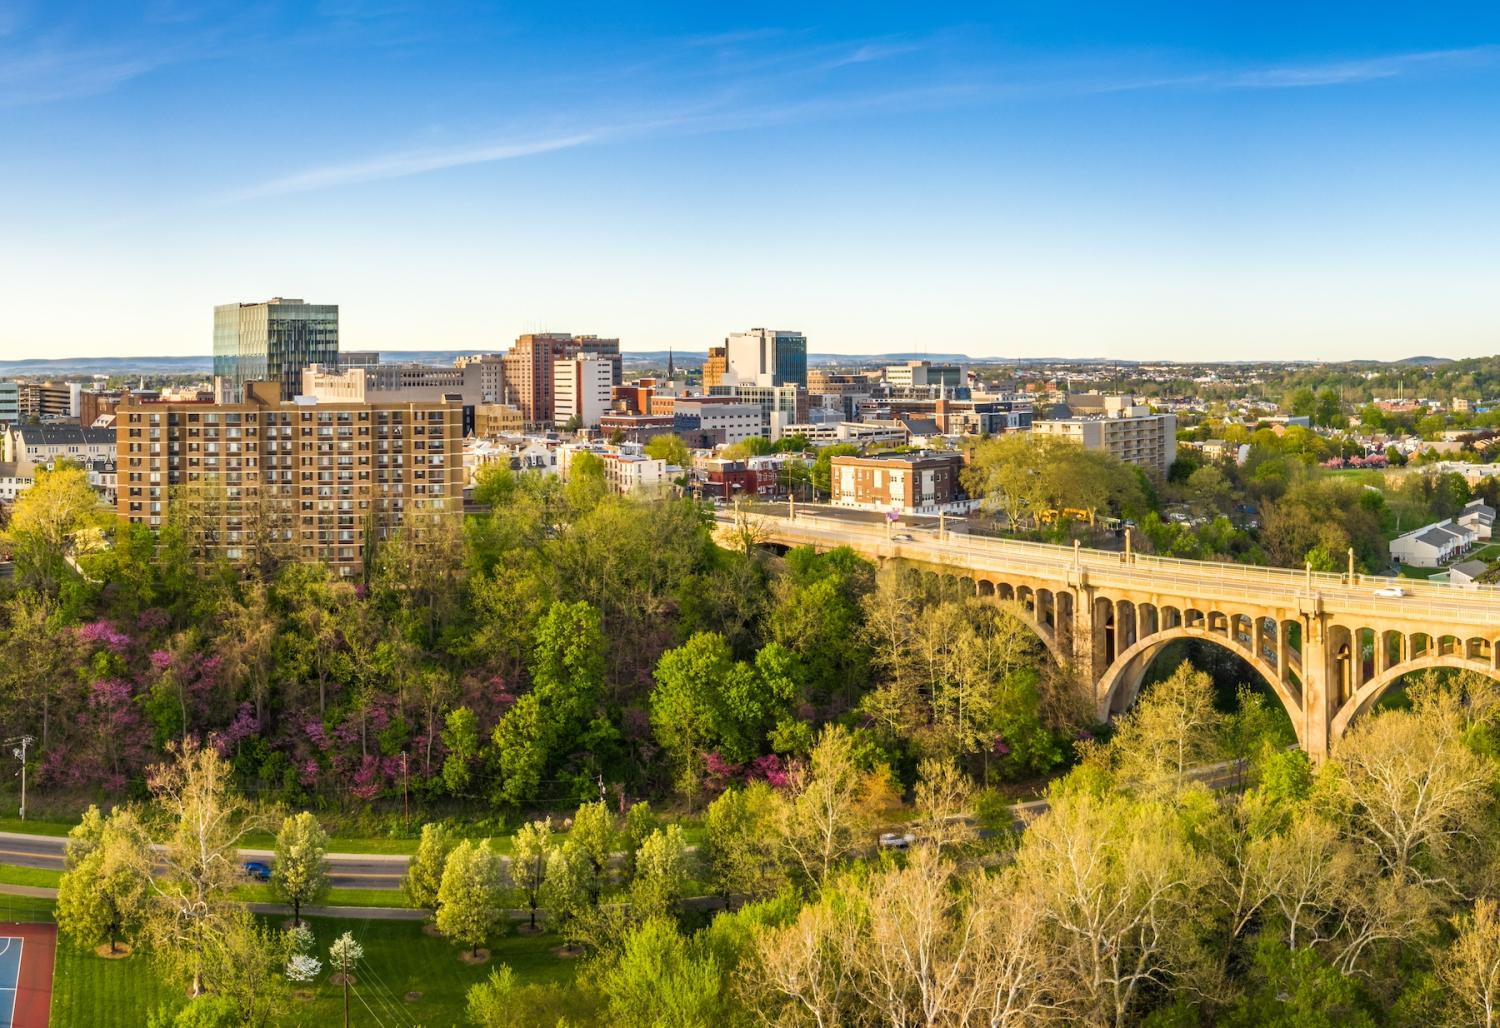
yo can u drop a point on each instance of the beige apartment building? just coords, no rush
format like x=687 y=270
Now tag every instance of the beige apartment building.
x=315 y=477
x=1126 y=429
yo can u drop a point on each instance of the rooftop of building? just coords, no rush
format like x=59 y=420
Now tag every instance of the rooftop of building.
x=62 y=434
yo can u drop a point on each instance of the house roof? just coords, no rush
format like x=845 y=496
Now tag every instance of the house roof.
x=65 y=435
x=1437 y=536
x=1469 y=569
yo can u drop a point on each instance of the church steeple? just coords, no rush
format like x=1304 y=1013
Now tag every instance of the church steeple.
x=671 y=368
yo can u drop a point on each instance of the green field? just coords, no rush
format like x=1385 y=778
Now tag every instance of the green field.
x=400 y=959
x=11 y=874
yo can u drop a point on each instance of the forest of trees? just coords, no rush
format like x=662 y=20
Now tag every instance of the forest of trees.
x=568 y=642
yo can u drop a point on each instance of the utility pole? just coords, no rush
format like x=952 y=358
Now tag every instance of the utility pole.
x=405 y=812
x=20 y=754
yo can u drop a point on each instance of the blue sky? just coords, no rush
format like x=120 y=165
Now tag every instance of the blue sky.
x=1018 y=179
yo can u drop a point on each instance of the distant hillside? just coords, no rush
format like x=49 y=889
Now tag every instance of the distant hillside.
x=1425 y=360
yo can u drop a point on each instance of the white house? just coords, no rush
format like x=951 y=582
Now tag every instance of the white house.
x=1478 y=516
x=1467 y=572
x=1433 y=545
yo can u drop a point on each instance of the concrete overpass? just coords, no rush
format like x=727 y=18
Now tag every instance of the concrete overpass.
x=1327 y=644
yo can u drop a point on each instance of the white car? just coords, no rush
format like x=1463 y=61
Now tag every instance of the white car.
x=902 y=537
x=1394 y=592
x=896 y=840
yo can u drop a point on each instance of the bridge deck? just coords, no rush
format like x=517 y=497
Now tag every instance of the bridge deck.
x=1466 y=605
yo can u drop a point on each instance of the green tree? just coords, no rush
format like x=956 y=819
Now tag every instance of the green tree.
x=661 y=874
x=640 y=822
x=567 y=672
x=469 y=908
x=424 y=874
x=461 y=740
x=707 y=701
x=51 y=523
x=530 y=850
x=663 y=980
x=740 y=844
x=669 y=448
x=103 y=894
x=568 y=886
x=594 y=834
x=300 y=874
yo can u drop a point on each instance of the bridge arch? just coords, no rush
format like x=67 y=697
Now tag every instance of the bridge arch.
x=1121 y=681
x=1047 y=635
x=1369 y=694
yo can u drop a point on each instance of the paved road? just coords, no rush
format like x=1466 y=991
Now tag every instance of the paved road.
x=347 y=870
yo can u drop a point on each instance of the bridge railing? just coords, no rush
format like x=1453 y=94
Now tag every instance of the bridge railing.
x=1221 y=580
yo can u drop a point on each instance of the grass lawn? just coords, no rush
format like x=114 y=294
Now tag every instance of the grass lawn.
x=399 y=959
x=258 y=893
x=12 y=874
x=31 y=826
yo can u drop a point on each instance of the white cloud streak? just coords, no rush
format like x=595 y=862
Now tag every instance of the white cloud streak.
x=732 y=111
x=413 y=162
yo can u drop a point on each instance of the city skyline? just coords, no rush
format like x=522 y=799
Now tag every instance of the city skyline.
x=1087 y=181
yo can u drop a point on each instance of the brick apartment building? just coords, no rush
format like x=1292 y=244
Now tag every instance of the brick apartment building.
x=315 y=477
x=909 y=483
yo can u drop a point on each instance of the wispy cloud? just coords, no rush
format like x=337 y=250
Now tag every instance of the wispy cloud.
x=51 y=75
x=1350 y=72
x=780 y=90
x=412 y=162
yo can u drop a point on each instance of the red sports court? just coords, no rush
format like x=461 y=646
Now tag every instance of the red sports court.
x=26 y=952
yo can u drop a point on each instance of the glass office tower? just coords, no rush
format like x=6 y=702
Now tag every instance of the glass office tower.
x=273 y=342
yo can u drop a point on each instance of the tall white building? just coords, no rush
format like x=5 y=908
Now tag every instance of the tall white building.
x=581 y=388
x=766 y=357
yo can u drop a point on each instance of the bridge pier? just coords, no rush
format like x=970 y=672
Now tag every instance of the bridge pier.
x=1316 y=701
x=1085 y=643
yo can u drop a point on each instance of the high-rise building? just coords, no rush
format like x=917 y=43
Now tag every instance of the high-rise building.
x=10 y=403
x=310 y=478
x=273 y=342
x=1126 y=429
x=580 y=389
x=530 y=364
x=714 y=366
x=491 y=371
x=765 y=356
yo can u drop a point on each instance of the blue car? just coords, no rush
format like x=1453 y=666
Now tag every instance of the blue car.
x=261 y=872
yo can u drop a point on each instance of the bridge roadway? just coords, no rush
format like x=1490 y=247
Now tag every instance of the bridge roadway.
x=1327 y=643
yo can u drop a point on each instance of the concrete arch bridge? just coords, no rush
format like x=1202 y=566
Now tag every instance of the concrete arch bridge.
x=1328 y=645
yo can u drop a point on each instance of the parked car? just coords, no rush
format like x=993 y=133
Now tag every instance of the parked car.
x=259 y=870
x=1391 y=591
x=896 y=840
